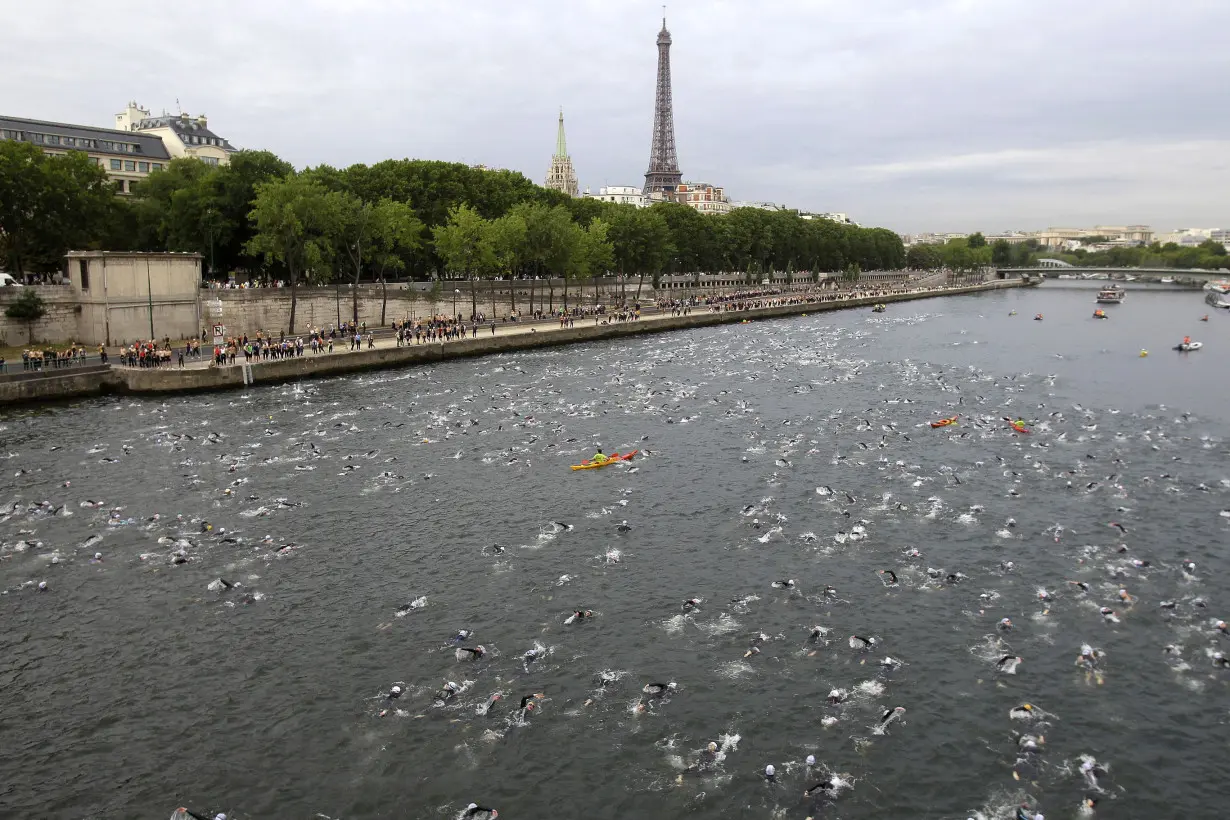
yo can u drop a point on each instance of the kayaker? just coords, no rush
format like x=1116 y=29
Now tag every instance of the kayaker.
x=598 y=457
x=1187 y=340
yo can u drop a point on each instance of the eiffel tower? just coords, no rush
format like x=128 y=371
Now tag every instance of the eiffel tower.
x=663 y=175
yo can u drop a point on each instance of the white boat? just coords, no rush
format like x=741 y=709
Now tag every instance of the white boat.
x=1066 y=276
x=1167 y=280
x=1112 y=295
x=1188 y=346
x=1217 y=299
x=1221 y=286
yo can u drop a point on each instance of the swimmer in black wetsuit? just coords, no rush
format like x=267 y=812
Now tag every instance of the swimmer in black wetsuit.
x=528 y=702
x=477 y=812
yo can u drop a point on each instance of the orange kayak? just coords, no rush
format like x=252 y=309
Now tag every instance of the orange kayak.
x=611 y=459
x=945 y=422
x=1021 y=428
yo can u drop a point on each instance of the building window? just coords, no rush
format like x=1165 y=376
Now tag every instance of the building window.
x=52 y=139
x=115 y=165
x=85 y=275
x=130 y=165
x=119 y=186
x=143 y=167
x=210 y=160
x=157 y=166
x=36 y=138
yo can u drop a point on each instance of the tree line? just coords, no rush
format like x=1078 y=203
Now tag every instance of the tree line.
x=399 y=219
x=973 y=251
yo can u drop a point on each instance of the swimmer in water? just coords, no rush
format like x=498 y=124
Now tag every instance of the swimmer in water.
x=859 y=642
x=827 y=786
x=394 y=693
x=913 y=552
x=1081 y=585
x=1025 y=710
x=1008 y=663
x=1220 y=660
x=449 y=692
x=659 y=690
x=1023 y=813
x=888 y=577
x=467 y=653
x=830 y=591
x=1127 y=599
x=1005 y=624
x=1189 y=567
x=579 y=615
x=1109 y=614
x=462 y=634
x=770 y=774
x=1221 y=627
x=528 y=702
x=691 y=604
x=787 y=584
x=477 y=812
x=817 y=632
x=838 y=696
x=891 y=715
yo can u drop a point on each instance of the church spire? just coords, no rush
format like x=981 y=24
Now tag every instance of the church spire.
x=561 y=175
x=561 y=146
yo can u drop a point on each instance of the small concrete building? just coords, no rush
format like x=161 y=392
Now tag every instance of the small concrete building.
x=124 y=297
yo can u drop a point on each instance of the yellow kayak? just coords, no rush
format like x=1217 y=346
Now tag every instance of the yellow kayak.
x=611 y=459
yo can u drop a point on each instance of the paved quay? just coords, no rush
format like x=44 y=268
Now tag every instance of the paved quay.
x=202 y=375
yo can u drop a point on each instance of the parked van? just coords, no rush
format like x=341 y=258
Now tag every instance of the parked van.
x=7 y=281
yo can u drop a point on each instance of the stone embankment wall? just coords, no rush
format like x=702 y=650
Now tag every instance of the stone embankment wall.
x=59 y=325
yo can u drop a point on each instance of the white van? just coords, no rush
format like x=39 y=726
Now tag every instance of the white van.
x=7 y=281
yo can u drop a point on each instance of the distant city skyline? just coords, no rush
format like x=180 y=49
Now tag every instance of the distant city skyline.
x=917 y=115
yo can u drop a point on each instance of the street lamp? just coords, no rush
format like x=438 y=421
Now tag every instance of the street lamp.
x=456 y=293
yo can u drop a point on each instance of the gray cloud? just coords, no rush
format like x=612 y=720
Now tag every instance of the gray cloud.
x=924 y=115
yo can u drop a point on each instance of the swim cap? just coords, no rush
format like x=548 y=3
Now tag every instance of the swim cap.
x=42 y=586
x=713 y=747
x=396 y=690
x=769 y=770
x=98 y=556
x=811 y=760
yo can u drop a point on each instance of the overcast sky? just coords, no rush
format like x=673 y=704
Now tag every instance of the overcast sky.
x=918 y=115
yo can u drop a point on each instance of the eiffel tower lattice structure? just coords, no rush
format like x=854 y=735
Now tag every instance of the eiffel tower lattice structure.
x=663 y=176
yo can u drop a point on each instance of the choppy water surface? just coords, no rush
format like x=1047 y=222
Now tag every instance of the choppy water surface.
x=788 y=450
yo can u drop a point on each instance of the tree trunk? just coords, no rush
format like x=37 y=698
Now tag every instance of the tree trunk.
x=551 y=295
x=494 y=310
x=473 y=298
x=637 y=297
x=512 y=294
x=565 y=293
x=384 y=297
x=294 y=299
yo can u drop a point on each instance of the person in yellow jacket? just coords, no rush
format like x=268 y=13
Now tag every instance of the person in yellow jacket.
x=598 y=457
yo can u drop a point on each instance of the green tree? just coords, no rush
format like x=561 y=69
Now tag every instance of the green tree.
x=48 y=205
x=28 y=308
x=507 y=237
x=396 y=236
x=923 y=257
x=291 y=217
x=976 y=240
x=463 y=245
x=1212 y=248
x=597 y=251
x=1001 y=253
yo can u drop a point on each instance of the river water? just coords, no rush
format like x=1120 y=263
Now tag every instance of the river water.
x=794 y=449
